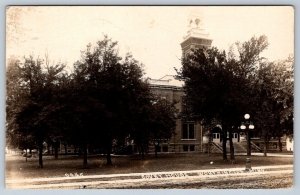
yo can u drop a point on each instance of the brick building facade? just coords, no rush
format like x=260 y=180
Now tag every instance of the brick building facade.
x=188 y=133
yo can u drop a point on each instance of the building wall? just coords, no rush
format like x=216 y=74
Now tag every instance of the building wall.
x=194 y=43
x=177 y=143
x=170 y=94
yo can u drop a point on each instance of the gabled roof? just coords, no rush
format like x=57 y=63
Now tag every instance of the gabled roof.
x=167 y=80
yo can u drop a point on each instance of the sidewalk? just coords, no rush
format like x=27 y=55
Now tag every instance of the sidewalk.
x=268 y=154
x=117 y=180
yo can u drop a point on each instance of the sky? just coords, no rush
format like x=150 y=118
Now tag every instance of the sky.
x=152 y=34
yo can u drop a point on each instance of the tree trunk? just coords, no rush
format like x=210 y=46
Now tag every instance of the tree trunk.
x=66 y=150
x=156 y=145
x=108 y=152
x=209 y=143
x=85 y=164
x=208 y=147
x=40 y=148
x=279 y=144
x=265 y=145
x=232 y=157
x=143 y=151
x=224 y=144
x=26 y=155
x=55 y=150
x=248 y=144
x=48 y=149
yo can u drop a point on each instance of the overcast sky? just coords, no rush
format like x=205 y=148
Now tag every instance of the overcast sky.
x=152 y=34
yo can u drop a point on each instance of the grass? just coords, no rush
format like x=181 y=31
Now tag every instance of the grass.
x=17 y=168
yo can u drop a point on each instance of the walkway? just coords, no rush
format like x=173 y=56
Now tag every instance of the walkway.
x=143 y=179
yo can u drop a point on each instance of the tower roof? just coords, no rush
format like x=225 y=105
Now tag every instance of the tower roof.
x=196 y=28
x=196 y=37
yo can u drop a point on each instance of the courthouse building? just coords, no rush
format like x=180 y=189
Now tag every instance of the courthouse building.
x=189 y=135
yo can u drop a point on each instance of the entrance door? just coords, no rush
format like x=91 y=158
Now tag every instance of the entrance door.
x=235 y=137
x=216 y=138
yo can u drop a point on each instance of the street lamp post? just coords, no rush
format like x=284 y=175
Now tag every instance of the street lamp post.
x=247 y=126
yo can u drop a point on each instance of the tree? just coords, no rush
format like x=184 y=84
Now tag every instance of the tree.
x=249 y=55
x=274 y=100
x=206 y=86
x=142 y=113
x=114 y=85
x=37 y=84
x=14 y=101
x=154 y=120
x=162 y=121
x=218 y=86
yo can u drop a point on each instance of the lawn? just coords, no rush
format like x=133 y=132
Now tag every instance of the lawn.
x=17 y=168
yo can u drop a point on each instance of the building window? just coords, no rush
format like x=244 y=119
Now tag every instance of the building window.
x=192 y=147
x=235 y=135
x=188 y=131
x=216 y=135
x=185 y=148
x=188 y=148
x=158 y=149
x=186 y=105
x=165 y=148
